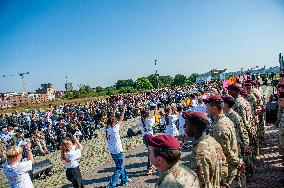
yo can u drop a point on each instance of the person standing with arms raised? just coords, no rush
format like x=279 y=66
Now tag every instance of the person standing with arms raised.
x=146 y=125
x=171 y=119
x=115 y=149
x=70 y=154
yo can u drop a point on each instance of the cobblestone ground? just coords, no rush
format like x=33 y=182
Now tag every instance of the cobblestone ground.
x=269 y=169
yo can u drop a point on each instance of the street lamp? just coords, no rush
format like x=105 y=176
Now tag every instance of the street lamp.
x=156 y=73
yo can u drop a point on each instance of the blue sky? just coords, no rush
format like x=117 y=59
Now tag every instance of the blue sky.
x=99 y=42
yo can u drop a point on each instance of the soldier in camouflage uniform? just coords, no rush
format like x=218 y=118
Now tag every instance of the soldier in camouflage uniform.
x=257 y=91
x=280 y=87
x=164 y=154
x=255 y=123
x=225 y=134
x=2 y=152
x=207 y=157
x=241 y=105
x=281 y=125
x=241 y=133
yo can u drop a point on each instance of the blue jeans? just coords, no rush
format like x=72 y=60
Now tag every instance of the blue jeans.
x=119 y=171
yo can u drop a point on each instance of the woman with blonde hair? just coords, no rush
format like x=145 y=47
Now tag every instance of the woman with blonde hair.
x=17 y=171
x=70 y=154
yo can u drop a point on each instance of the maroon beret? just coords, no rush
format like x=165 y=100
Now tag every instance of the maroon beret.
x=227 y=98
x=281 y=74
x=281 y=84
x=163 y=141
x=281 y=93
x=255 y=83
x=249 y=81
x=195 y=116
x=213 y=98
x=248 y=84
x=243 y=92
x=234 y=87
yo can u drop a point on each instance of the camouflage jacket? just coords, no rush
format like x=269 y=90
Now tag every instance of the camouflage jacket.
x=177 y=177
x=241 y=129
x=242 y=108
x=281 y=136
x=209 y=162
x=279 y=116
x=258 y=93
x=2 y=146
x=253 y=102
x=224 y=133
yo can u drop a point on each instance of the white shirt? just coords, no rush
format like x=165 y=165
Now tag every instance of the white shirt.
x=74 y=156
x=181 y=122
x=171 y=128
x=147 y=127
x=193 y=102
x=6 y=137
x=200 y=108
x=17 y=174
x=113 y=139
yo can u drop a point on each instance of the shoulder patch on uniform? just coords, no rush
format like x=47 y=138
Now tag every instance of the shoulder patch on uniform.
x=176 y=172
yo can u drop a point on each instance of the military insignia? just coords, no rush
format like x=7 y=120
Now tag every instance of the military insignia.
x=176 y=172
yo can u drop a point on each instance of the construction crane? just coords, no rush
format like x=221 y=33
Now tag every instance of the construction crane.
x=22 y=75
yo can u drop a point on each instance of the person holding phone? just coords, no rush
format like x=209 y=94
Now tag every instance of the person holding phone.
x=16 y=170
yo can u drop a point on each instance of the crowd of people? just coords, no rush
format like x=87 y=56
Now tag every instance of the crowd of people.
x=226 y=126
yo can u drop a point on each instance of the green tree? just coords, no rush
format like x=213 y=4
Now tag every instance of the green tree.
x=165 y=81
x=154 y=79
x=143 y=83
x=84 y=91
x=192 y=78
x=124 y=83
x=111 y=91
x=179 y=80
x=127 y=90
x=99 y=89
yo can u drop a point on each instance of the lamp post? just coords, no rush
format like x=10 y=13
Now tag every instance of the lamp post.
x=156 y=73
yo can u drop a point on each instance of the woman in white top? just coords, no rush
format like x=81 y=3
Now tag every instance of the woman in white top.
x=146 y=125
x=171 y=120
x=115 y=149
x=71 y=154
x=17 y=171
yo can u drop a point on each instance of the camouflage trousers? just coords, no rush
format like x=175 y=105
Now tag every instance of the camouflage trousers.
x=239 y=181
x=253 y=137
x=2 y=156
x=248 y=160
x=261 y=127
x=232 y=173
